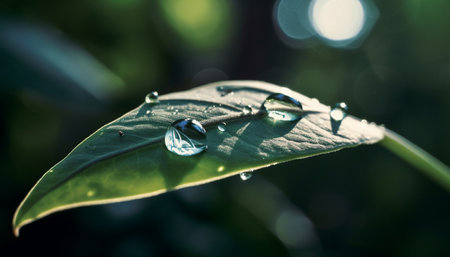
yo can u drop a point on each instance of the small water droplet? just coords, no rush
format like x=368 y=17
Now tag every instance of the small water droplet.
x=186 y=137
x=148 y=112
x=220 y=168
x=338 y=113
x=101 y=133
x=246 y=175
x=152 y=98
x=225 y=90
x=364 y=123
x=282 y=107
x=121 y=133
x=175 y=112
x=222 y=127
x=247 y=110
x=170 y=108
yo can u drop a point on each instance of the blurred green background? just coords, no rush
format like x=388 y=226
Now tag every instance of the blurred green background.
x=68 y=67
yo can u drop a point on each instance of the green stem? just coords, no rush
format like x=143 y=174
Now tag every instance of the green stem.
x=417 y=157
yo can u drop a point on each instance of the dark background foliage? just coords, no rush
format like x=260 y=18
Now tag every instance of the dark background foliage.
x=362 y=201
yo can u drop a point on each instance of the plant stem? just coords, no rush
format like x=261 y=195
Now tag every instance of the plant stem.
x=417 y=157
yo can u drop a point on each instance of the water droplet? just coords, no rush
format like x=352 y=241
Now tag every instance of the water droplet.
x=338 y=113
x=186 y=137
x=220 y=168
x=282 y=107
x=175 y=112
x=247 y=110
x=225 y=90
x=152 y=97
x=245 y=175
x=121 y=133
x=364 y=123
x=148 y=112
x=222 y=127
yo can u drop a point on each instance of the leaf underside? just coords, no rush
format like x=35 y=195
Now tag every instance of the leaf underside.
x=107 y=167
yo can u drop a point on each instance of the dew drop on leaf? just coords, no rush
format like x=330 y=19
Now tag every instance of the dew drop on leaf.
x=224 y=90
x=338 y=113
x=245 y=175
x=282 y=107
x=247 y=110
x=364 y=123
x=186 y=137
x=152 y=97
x=222 y=127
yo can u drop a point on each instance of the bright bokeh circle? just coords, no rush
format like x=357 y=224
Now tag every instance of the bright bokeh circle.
x=337 y=19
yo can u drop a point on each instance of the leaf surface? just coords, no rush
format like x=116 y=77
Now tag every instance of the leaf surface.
x=109 y=167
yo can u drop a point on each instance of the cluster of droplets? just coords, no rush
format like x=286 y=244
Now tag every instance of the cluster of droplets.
x=187 y=137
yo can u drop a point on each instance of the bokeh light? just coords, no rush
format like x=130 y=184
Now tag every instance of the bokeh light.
x=337 y=19
x=292 y=18
x=201 y=24
x=337 y=23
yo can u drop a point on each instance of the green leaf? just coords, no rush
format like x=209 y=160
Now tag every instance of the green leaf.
x=107 y=167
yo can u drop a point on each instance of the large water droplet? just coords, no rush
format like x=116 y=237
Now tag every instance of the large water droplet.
x=338 y=113
x=247 y=110
x=152 y=97
x=186 y=137
x=222 y=127
x=245 y=175
x=282 y=107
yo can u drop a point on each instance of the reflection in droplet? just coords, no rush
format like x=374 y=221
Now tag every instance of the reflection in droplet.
x=222 y=127
x=338 y=113
x=186 y=137
x=152 y=97
x=220 y=168
x=282 y=107
x=245 y=175
x=247 y=110
x=148 y=112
